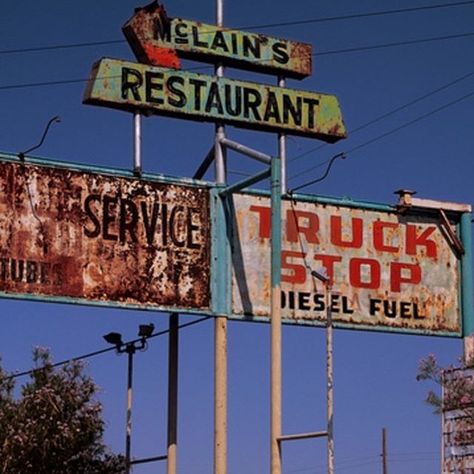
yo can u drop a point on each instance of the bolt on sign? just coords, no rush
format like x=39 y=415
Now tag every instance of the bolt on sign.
x=161 y=41
x=389 y=271
x=74 y=234
x=156 y=87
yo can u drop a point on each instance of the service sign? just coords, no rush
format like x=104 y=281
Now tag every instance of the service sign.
x=155 y=90
x=75 y=235
x=388 y=270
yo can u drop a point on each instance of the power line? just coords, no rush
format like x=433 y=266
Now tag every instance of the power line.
x=390 y=132
x=346 y=50
x=103 y=351
x=252 y=27
x=383 y=116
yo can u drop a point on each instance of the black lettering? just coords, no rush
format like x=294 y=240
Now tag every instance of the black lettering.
x=416 y=314
x=108 y=218
x=346 y=309
x=252 y=100
x=271 y=111
x=405 y=309
x=44 y=273
x=174 y=226
x=198 y=85
x=282 y=299
x=16 y=271
x=151 y=86
x=181 y=35
x=162 y=30
x=180 y=101
x=235 y=47
x=199 y=44
x=131 y=81
x=164 y=224
x=251 y=45
x=291 y=300
x=219 y=42
x=127 y=207
x=280 y=54
x=214 y=99
x=319 y=302
x=31 y=271
x=374 y=306
x=90 y=214
x=335 y=303
x=312 y=103
x=290 y=109
x=390 y=308
x=150 y=223
x=303 y=301
x=191 y=228
x=235 y=109
x=3 y=268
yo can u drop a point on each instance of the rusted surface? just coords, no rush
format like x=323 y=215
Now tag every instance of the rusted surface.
x=159 y=40
x=132 y=86
x=388 y=271
x=101 y=238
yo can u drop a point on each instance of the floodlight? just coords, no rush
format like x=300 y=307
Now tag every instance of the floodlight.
x=145 y=330
x=114 y=338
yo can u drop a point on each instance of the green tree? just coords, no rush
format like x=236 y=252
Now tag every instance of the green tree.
x=55 y=425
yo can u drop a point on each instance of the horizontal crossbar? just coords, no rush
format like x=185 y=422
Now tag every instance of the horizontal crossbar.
x=293 y=437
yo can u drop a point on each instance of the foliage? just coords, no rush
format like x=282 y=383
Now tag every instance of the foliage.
x=55 y=426
x=458 y=388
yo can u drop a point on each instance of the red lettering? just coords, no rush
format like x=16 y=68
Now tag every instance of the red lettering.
x=264 y=222
x=297 y=272
x=379 y=237
x=294 y=227
x=413 y=241
x=328 y=261
x=398 y=275
x=355 y=273
x=336 y=233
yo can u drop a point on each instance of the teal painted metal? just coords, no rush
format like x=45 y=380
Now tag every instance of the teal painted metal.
x=220 y=254
x=467 y=286
x=240 y=185
x=132 y=87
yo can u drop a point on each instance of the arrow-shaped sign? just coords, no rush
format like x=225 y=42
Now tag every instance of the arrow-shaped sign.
x=159 y=40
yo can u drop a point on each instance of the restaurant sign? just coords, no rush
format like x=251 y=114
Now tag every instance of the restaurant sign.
x=388 y=270
x=73 y=235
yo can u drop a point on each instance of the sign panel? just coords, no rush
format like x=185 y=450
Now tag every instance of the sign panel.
x=99 y=238
x=458 y=422
x=388 y=270
x=131 y=86
x=160 y=41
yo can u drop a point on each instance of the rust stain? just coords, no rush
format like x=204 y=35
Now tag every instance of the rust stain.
x=84 y=235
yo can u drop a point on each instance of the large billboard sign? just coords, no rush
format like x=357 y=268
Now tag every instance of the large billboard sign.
x=71 y=234
x=130 y=86
x=388 y=270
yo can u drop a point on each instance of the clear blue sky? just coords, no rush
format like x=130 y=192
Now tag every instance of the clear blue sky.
x=375 y=383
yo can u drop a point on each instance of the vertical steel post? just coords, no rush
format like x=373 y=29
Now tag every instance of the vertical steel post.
x=173 y=354
x=384 y=451
x=220 y=323
x=275 y=329
x=330 y=380
x=282 y=147
x=467 y=300
x=137 y=143
x=130 y=349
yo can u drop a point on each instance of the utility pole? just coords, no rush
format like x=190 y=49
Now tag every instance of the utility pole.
x=384 y=451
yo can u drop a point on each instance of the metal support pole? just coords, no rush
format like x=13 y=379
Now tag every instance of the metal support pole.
x=128 y=436
x=275 y=376
x=137 y=143
x=220 y=323
x=220 y=396
x=173 y=393
x=330 y=381
x=384 y=451
x=282 y=147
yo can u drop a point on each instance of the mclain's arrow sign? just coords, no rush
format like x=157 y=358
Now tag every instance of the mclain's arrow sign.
x=160 y=41
x=131 y=86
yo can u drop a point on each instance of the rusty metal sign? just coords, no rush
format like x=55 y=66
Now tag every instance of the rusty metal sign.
x=389 y=271
x=131 y=86
x=161 y=41
x=79 y=236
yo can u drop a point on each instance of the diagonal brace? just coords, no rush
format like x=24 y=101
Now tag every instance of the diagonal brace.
x=245 y=150
x=244 y=183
